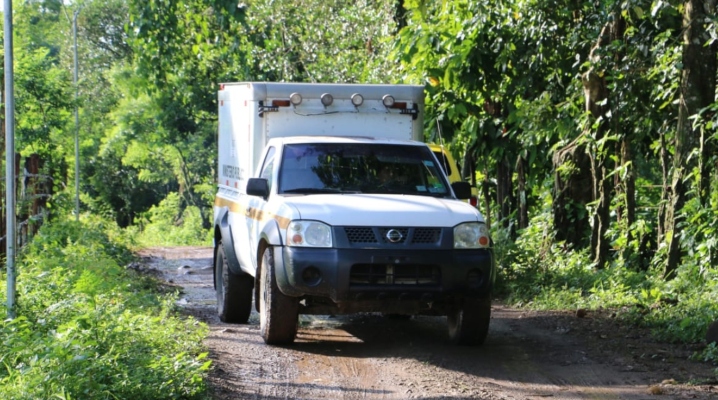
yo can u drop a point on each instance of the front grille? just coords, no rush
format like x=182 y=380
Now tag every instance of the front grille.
x=362 y=235
x=426 y=235
x=396 y=275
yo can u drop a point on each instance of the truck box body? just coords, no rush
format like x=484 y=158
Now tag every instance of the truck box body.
x=240 y=105
x=328 y=202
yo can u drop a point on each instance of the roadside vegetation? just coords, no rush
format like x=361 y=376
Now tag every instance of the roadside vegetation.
x=538 y=272
x=89 y=328
x=589 y=129
x=160 y=226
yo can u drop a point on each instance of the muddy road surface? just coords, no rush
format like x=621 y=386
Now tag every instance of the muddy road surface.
x=528 y=355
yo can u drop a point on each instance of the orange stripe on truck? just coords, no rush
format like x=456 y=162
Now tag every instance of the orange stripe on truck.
x=251 y=212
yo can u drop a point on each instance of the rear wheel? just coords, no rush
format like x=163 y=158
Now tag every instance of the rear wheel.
x=397 y=317
x=469 y=321
x=234 y=292
x=278 y=313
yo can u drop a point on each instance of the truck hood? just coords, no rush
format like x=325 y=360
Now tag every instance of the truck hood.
x=383 y=210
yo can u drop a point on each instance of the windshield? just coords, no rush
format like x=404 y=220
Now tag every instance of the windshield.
x=360 y=168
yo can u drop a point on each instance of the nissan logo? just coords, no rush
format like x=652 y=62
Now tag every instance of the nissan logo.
x=394 y=236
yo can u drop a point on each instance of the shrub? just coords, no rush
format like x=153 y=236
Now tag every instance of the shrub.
x=87 y=328
x=537 y=272
x=168 y=225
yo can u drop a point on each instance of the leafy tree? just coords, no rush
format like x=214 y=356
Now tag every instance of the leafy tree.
x=488 y=66
x=295 y=41
x=193 y=46
x=42 y=89
x=697 y=91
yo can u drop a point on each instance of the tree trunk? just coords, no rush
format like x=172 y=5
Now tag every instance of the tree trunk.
x=468 y=167
x=486 y=194
x=697 y=91
x=571 y=193
x=624 y=183
x=521 y=182
x=597 y=104
x=504 y=191
x=708 y=149
x=629 y=190
x=666 y=192
x=602 y=189
x=484 y=187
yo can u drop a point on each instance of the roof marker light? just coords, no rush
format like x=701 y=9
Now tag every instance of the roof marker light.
x=400 y=105
x=388 y=100
x=327 y=99
x=280 y=103
x=295 y=98
x=357 y=99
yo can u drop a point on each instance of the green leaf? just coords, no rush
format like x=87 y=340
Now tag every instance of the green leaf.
x=639 y=11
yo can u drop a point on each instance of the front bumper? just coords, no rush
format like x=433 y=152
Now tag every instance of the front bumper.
x=346 y=275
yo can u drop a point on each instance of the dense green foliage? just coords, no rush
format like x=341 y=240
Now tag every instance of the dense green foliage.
x=161 y=227
x=679 y=309
x=504 y=80
x=575 y=119
x=87 y=328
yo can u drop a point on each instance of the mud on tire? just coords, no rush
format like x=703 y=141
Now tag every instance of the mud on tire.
x=278 y=313
x=469 y=322
x=234 y=292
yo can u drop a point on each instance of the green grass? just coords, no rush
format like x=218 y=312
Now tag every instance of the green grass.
x=87 y=328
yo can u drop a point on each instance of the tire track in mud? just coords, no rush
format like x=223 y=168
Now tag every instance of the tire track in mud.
x=527 y=355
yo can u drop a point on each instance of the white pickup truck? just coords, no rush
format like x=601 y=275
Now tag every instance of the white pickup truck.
x=329 y=202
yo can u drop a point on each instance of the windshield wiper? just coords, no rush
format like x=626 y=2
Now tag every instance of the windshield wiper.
x=318 y=190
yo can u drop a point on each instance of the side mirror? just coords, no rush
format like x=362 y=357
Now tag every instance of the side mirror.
x=258 y=187
x=462 y=190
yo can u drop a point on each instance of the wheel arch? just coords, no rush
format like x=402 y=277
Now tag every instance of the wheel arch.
x=269 y=236
x=223 y=234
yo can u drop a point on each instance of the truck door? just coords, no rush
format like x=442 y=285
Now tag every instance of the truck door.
x=258 y=204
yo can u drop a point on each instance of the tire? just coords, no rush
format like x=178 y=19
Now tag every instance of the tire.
x=398 y=317
x=278 y=313
x=234 y=292
x=469 y=322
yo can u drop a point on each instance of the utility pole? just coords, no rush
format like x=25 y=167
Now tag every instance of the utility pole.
x=77 y=120
x=9 y=159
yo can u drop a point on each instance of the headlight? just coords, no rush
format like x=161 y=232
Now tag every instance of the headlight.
x=471 y=235
x=309 y=234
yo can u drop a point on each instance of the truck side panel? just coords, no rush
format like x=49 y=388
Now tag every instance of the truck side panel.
x=238 y=132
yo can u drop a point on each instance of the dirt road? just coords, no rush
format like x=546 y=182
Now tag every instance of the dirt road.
x=528 y=355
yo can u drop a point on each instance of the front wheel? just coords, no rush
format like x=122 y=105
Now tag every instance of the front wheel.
x=469 y=321
x=234 y=292
x=278 y=313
